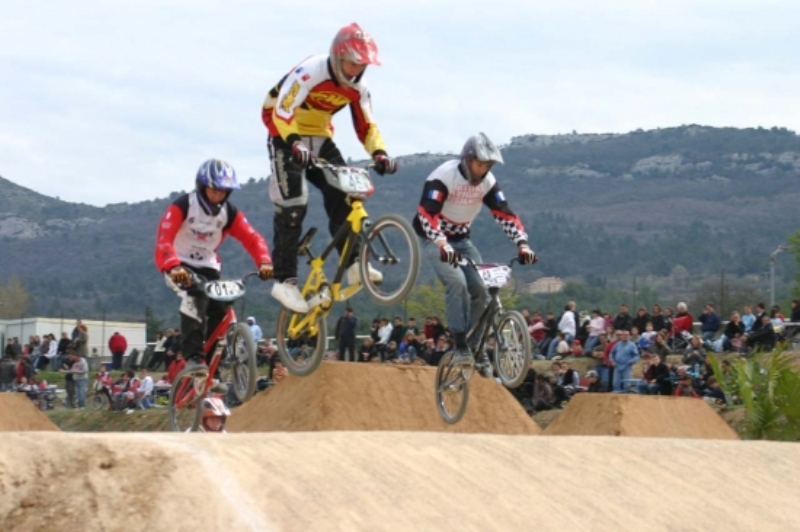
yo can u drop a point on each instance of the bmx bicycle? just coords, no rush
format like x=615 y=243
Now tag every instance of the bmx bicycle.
x=233 y=349
x=389 y=243
x=512 y=346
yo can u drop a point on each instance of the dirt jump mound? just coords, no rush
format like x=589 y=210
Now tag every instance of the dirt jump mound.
x=342 y=396
x=648 y=416
x=17 y=412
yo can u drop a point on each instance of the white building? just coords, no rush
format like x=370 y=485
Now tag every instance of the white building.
x=99 y=332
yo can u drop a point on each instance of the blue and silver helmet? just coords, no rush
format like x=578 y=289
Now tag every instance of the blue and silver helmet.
x=218 y=175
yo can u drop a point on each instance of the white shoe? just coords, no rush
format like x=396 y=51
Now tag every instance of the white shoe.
x=354 y=274
x=289 y=296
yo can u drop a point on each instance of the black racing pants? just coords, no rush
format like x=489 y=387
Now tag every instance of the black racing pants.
x=193 y=332
x=289 y=193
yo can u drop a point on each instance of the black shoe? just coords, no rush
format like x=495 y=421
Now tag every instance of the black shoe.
x=485 y=367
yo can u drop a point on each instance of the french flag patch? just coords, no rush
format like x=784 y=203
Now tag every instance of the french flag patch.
x=499 y=196
x=435 y=195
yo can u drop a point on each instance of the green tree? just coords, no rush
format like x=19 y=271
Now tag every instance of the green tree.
x=794 y=246
x=427 y=300
x=15 y=299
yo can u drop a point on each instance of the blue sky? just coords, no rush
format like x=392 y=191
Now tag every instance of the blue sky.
x=107 y=102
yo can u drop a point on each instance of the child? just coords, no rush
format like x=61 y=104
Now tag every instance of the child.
x=647 y=338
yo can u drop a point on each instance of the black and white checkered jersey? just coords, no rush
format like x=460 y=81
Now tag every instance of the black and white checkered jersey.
x=449 y=203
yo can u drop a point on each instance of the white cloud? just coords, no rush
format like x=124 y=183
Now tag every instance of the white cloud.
x=109 y=102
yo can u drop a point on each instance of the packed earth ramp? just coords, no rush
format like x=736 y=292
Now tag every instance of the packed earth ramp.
x=648 y=416
x=393 y=481
x=340 y=396
x=18 y=413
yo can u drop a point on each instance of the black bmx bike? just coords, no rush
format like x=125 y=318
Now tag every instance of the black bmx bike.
x=502 y=333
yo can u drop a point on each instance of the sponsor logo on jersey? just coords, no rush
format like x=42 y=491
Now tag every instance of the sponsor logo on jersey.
x=327 y=100
x=499 y=196
x=288 y=100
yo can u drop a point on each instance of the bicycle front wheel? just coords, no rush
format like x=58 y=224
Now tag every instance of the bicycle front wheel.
x=302 y=354
x=243 y=371
x=185 y=400
x=512 y=348
x=392 y=251
x=98 y=401
x=452 y=390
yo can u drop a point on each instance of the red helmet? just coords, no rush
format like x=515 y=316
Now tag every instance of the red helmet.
x=215 y=413
x=356 y=45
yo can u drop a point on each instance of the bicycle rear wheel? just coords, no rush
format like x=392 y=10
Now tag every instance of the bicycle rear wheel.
x=242 y=348
x=185 y=397
x=452 y=390
x=392 y=248
x=303 y=354
x=98 y=401
x=512 y=348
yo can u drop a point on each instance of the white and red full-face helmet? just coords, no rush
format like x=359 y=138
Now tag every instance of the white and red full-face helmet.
x=352 y=44
x=215 y=413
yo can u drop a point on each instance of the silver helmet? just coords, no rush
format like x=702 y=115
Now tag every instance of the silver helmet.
x=479 y=147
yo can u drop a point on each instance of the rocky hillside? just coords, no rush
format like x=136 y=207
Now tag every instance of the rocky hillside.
x=610 y=205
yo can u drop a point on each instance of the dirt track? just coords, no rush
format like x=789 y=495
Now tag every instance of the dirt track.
x=393 y=481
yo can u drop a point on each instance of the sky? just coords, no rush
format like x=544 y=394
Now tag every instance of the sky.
x=111 y=102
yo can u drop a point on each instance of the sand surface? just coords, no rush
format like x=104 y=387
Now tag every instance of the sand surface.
x=341 y=396
x=649 y=416
x=18 y=413
x=387 y=481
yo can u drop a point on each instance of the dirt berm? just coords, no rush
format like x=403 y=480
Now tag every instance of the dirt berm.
x=17 y=412
x=393 y=481
x=341 y=396
x=650 y=416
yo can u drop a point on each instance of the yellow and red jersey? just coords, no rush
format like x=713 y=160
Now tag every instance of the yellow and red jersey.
x=304 y=101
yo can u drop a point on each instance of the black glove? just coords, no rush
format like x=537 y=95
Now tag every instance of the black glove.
x=384 y=164
x=449 y=255
x=301 y=154
x=526 y=255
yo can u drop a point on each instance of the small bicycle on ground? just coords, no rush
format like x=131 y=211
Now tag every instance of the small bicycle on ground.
x=511 y=349
x=389 y=244
x=233 y=348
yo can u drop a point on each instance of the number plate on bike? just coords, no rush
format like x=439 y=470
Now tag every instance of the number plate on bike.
x=352 y=181
x=224 y=290
x=495 y=275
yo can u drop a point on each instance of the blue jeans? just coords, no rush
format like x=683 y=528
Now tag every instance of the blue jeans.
x=551 y=351
x=620 y=375
x=465 y=294
x=646 y=388
x=81 y=385
x=603 y=374
x=590 y=343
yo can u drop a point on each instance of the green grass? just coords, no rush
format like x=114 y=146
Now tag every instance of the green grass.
x=152 y=420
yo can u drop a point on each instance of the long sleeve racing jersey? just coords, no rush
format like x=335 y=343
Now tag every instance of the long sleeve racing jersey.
x=304 y=101
x=189 y=234
x=450 y=203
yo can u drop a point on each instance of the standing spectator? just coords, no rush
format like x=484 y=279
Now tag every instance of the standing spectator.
x=346 y=335
x=81 y=341
x=175 y=367
x=412 y=326
x=623 y=357
x=710 y=324
x=748 y=319
x=9 y=350
x=15 y=345
x=144 y=394
x=384 y=332
x=641 y=320
x=398 y=331
x=623 y=321
x=159 y=352
x=597 y=326
x=69 y=381
x=52 y=352
x=795 y=317
x=80 y=375
x=657 y=319
x=8 y=372
x=566 y=326
x=117 y=344
x=76 y=331
x=551 y=330
x=255 y=329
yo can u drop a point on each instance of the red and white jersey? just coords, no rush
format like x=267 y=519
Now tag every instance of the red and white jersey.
x=189 y=234
x=450 y=203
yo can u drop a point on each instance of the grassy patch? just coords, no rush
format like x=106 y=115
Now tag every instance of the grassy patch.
x=152 y=420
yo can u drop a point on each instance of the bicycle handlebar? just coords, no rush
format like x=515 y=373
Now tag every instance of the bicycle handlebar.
x=322 y=163
x=198 y=281
x=466 y=261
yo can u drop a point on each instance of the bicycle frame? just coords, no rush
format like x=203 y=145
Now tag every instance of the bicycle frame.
x=486 y=320
x=351 y=233
x=220 y=333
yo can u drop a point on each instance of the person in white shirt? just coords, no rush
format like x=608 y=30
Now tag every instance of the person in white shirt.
x=597 y=326
x=255 y=329
x=144 y=393
x=384 y=332
x=52 y=353
x=566 y=325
